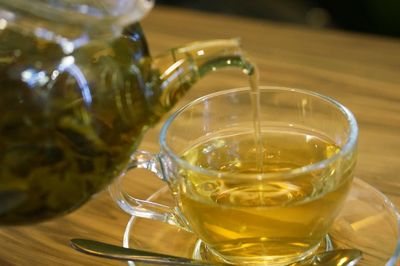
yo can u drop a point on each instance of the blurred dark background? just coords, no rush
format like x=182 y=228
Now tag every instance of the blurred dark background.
x=369 y=16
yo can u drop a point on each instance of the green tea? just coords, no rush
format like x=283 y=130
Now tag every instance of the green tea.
x=74 y=102
x=270 y=217
x=68 y=122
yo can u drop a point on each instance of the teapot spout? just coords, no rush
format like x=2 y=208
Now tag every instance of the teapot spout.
x=178 y=69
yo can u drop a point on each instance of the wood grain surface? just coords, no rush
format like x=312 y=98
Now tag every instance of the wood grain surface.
x=360 y=71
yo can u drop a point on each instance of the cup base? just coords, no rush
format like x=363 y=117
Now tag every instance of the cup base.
x=368 y=221
x=202 y=252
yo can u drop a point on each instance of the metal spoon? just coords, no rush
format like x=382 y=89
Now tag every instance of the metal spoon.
x=339 y=257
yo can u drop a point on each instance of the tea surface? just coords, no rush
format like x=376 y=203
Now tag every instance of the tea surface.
x=242 y=217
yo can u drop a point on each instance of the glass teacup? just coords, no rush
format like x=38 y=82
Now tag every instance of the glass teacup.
x=245 y=212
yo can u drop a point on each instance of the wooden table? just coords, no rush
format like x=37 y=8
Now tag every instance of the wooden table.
x=362 y=72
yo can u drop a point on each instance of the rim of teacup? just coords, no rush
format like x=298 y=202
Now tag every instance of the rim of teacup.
x=349 y=145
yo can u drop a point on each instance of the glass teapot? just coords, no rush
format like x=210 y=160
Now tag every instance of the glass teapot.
x=78 y=90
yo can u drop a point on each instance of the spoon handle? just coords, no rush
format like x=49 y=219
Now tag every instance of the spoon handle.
x=342 y=257
x=120 y=253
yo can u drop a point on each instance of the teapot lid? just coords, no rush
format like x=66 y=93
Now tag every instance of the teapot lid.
x=84 y=12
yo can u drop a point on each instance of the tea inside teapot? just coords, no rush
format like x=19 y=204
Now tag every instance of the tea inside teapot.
x=76 y=97
x=63 y=135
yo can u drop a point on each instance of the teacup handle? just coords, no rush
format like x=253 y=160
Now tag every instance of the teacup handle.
x=144 y=208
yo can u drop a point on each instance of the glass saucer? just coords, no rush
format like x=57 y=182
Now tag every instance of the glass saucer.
x=369 y=221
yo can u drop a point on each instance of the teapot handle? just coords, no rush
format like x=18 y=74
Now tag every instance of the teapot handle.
x=145 y=208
